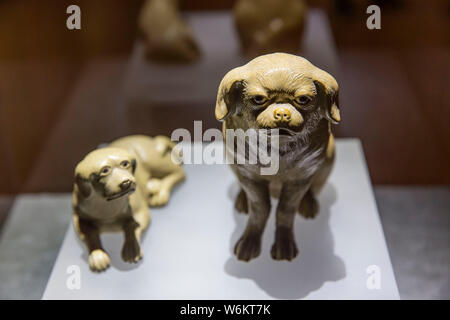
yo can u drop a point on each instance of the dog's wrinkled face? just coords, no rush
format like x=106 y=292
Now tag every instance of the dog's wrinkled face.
x=278 y=103
x=278 y=91
x=108 y=172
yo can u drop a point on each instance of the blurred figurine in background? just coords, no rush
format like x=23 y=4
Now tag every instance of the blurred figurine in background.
x=115 y=185
x=267 y=26
x=167 y=38
x=285 y=92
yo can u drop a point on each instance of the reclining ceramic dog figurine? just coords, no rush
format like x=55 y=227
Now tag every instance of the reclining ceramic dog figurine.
x=166 y=36
x=115 y=185
x=285 y=92
x=266 y=26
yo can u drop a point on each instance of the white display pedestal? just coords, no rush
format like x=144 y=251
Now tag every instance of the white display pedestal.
x=188 y=247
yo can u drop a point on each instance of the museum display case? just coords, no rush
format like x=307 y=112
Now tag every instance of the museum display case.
x=118 y=116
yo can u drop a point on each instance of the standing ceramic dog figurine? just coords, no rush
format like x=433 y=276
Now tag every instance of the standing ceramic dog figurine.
x=114 y=186
x=285 y=92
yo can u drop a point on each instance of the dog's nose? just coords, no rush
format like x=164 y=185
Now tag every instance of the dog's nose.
x=125 y=185
x=282 y=114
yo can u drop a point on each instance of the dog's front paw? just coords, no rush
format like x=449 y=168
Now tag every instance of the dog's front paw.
x=131 y=251
x=248 y=247
x=154 y=185
x=99 y=260
x=284 y=247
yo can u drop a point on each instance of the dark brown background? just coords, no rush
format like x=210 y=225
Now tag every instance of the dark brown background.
x=394 y=81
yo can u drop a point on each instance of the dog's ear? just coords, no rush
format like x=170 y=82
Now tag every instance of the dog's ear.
x=328 y=91
x=84 y=185
x=230 y=96
x=133 y=165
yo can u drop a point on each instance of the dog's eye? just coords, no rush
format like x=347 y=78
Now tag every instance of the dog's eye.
x=303 y=100
x=105 y=171
x=125 y=164
x=258 y=99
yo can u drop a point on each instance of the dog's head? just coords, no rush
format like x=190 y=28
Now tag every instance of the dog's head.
x=278 y=90
x=108 y=172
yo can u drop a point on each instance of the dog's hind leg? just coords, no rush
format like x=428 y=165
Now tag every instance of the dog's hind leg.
x=160 y=189
x=309 y=207
x=241 y=203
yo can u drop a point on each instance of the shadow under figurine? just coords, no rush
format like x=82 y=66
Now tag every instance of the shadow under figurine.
x=285 y=92
x=115 y=185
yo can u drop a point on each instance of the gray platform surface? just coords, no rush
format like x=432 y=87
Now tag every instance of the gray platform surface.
x=29 y=242
x=416 y=222
x=420 y=248
x=188 y=248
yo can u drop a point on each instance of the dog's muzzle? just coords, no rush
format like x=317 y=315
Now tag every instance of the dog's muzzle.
x=282 y=114
x=126 y=188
